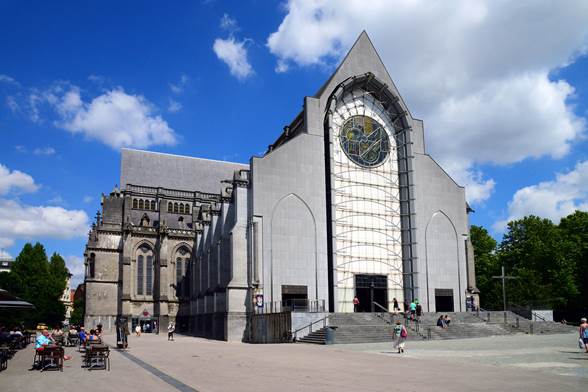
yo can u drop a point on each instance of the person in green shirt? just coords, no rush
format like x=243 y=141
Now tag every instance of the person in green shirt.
x=400 y=333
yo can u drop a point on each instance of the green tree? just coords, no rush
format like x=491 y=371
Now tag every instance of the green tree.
x=487 y=265
x=39 y=281
x=534 y=250
x=574 y=229
x=77 y=315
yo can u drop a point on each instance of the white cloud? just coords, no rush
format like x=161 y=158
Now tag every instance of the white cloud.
x=15 y=180
x=88 y=199
x=76 y=267
x=480 y=73
x=174 y=106
x=57 y=200
x=234 y=54
x=551 y=199
x=4 y=255
x=8 y=79
x=229 y=24
x=178 y=88
x=19 y=221
x=114 y=118
x=44 y=151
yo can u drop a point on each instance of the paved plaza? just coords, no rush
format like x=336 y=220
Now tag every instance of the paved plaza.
x=517 y=363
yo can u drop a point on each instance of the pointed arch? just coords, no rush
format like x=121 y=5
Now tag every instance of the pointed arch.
x=293 y=257
x=441 y=246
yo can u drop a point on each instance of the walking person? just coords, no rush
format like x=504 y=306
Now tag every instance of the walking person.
x=584 y=332
x=355 y=304
x=400 y=333
x=396 y=308
x=413 y=310
x=419 y=310
x=138 y=330
x=170 y=331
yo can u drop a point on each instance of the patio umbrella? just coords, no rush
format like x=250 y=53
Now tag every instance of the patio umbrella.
x=8 y=300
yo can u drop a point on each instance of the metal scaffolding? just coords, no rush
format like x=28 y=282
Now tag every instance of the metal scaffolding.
x=382 y=195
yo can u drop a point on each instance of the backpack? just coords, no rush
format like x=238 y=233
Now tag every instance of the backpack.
x=585 y=333
x=403 y=333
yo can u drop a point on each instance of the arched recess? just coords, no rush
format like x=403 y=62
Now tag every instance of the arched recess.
x=293 y=247
x=368 y=96
x=442 y=258
x=181 y=257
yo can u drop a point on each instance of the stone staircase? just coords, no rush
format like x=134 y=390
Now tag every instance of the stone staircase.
x=378 y=327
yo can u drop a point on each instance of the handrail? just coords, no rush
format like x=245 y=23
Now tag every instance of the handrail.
x=309 y=326
x=381 y=307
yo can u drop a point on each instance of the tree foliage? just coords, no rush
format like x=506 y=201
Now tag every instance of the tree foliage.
x=549 y=260
x=77 y=315
x=40 y=281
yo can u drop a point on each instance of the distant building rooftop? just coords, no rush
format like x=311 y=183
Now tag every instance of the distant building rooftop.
x=5 y=265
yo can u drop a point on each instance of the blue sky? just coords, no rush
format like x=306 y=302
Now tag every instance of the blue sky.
x=502 y=89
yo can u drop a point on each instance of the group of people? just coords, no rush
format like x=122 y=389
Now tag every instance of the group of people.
x=443 y=321
x=583 y=342
x=9 y=334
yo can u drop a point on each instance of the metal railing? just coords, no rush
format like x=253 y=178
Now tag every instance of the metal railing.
x=291 y=305
x=309 y=327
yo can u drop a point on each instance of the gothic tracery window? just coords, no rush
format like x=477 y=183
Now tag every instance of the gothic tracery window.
x=141 y=204
x=135 y=203
x=170 y=207
x=153 y=205
x=92 y=265
x=182 y=263
x=144 y=268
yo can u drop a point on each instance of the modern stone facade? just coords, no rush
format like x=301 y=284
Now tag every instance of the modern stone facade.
x=346 y=202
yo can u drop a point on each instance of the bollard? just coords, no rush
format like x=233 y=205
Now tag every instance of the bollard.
x=504 y=317
x=517 y=323
x=488 y=317
x=531 y=328
x=429 y=333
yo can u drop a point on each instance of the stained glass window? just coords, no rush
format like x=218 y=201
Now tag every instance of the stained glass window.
x=149 y=290
x=140 y=275
x=364 y=141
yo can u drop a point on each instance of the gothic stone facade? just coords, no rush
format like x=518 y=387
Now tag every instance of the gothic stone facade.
x=346 y=202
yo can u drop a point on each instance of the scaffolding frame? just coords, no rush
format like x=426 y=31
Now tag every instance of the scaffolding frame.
x=352 y=97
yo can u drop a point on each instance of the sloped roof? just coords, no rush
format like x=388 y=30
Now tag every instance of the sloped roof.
x=156 y=169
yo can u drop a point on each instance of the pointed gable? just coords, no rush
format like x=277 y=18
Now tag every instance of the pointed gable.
x=361 y=58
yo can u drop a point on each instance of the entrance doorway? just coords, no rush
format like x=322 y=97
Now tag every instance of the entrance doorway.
x=148 y=324
x=295 y=298
x=371 y=289
x=444 y=300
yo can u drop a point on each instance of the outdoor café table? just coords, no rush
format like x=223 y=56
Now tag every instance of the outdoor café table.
x=51 y=357
x=98 y=356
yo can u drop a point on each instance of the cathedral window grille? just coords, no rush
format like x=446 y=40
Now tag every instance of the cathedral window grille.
x=140 y=275
x=135 y=203
x=187 y=211
x=170 y=207
x=141 y=204
x=175 y=207
x=149 y=286
x=181 y=208
x=153 y=205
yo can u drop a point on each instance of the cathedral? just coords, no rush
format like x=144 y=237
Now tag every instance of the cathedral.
x=345 y=204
